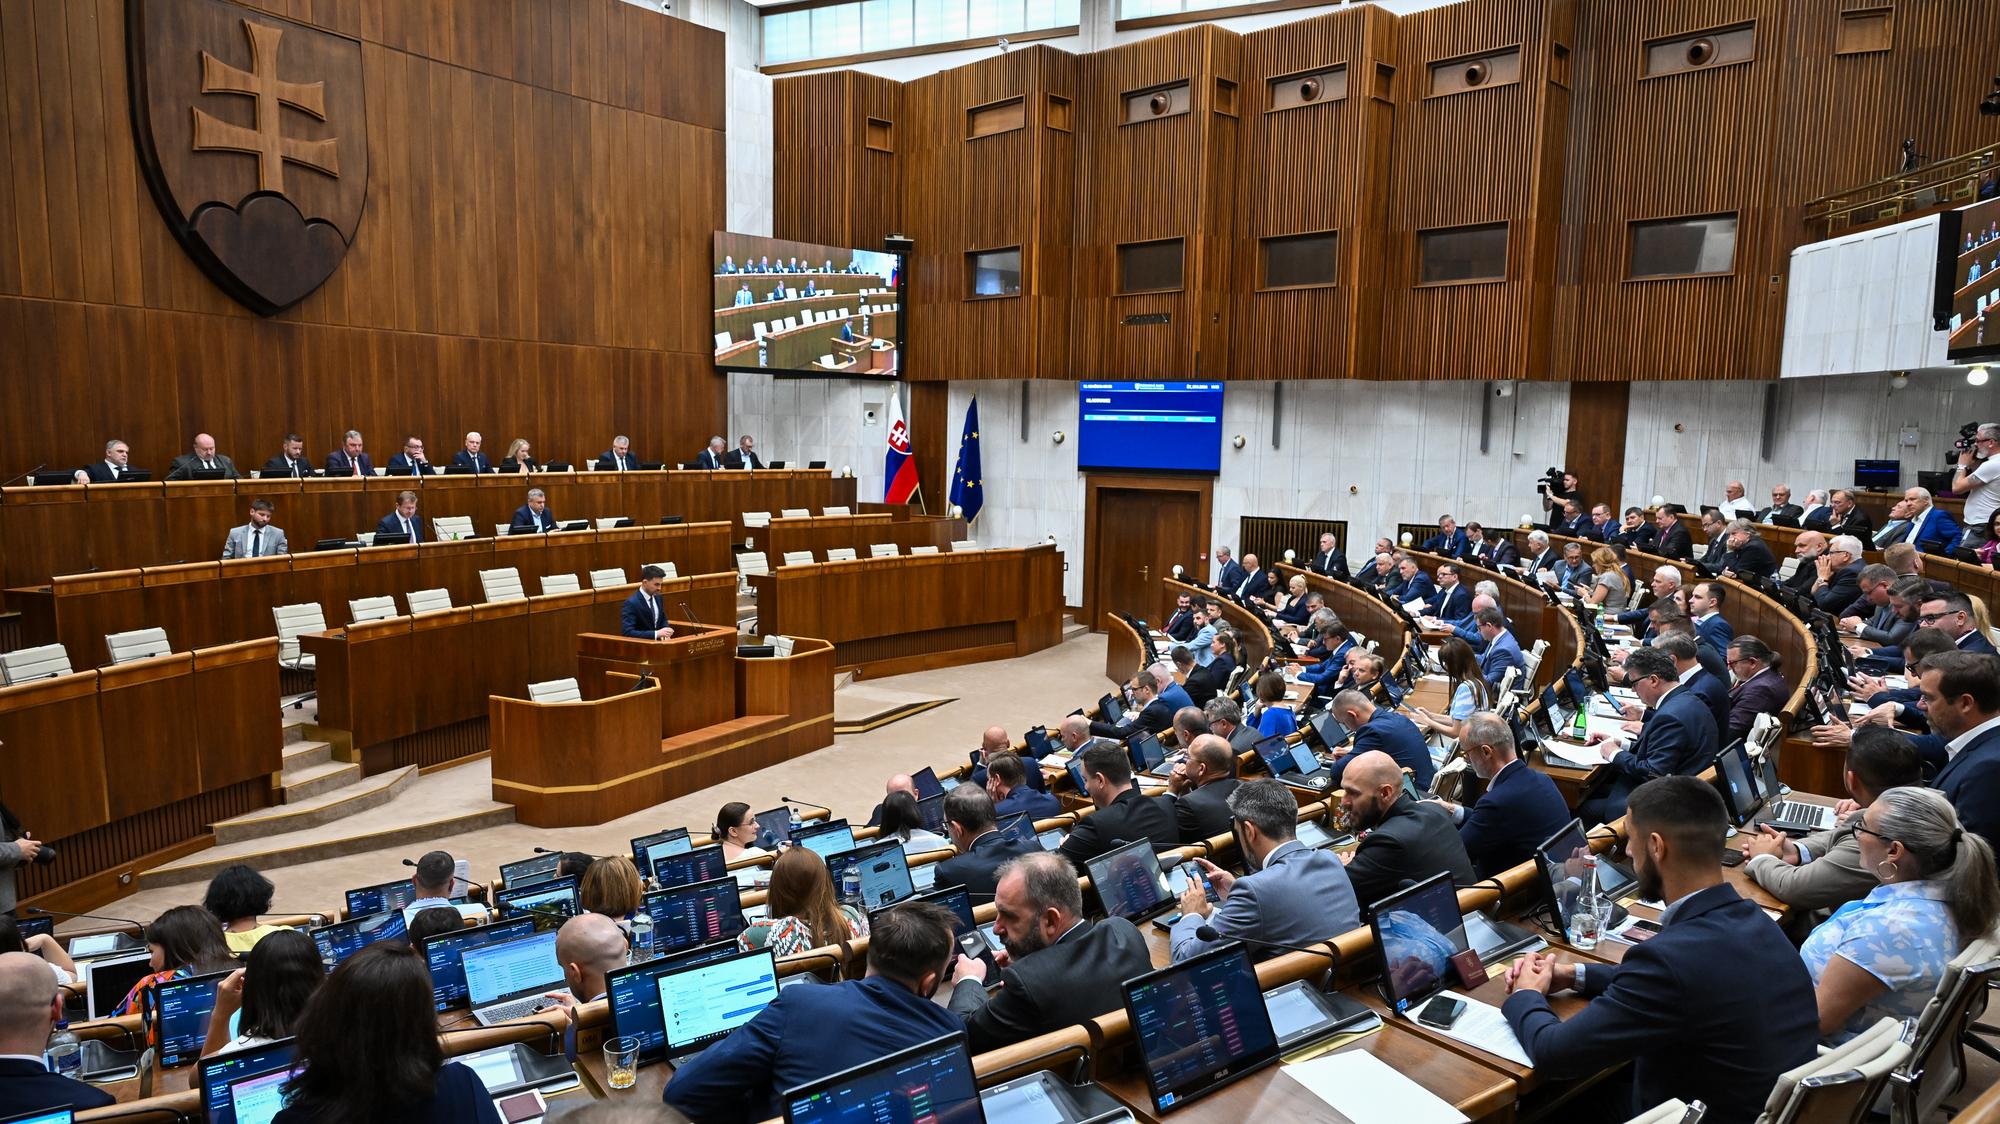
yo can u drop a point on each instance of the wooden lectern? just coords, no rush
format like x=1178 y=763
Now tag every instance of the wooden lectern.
x=695 y=669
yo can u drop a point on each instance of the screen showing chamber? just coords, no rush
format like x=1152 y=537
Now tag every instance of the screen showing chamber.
x=340 y=941
x=803 y=308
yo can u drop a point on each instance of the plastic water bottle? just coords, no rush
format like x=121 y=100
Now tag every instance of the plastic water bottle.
x=65 y=1056
x=1587 y=917
x=850 y=883
x=1582 y=728
x=797 y=823
x=642 y=937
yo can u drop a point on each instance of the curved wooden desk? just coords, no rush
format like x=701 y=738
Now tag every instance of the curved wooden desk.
x=1531 y=614
x=1249 y=629
x=1359 y=612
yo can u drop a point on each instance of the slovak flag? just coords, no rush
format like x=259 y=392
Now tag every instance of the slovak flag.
x=899 y=469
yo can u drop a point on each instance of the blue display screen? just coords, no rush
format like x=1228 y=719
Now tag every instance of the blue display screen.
x=1166 y=426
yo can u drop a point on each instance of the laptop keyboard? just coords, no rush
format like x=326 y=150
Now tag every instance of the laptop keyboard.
x=1795 y=811
x=512 y=1009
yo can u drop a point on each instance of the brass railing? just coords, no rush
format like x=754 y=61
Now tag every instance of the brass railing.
x=1933 y=187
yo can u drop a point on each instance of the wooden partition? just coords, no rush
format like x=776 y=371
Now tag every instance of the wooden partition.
x=121 y=765
x=1359 y=611
x=1532 y=616
x=207 y=603
x=1250 y=629
x=857 y=533
x=892 y=615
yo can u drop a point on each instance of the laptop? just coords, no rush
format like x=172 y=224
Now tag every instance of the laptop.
x=774 y=827
x=1561 y=873
x=931 y=808
x=549 y=903
x=511 y=979
x=177 y=1015
x=927 y=783
x=443 y=953
x=685 y=916
x=1110 y=709
x=931 y=1083
x=1419 y=930
x=108 y=980
x=1733 y=778
x=884 y=872
x=43 y=1116
x=390 y=538
x=701 y=1003
x=1201 y=1024
x=1129 y=883
x=1313 y=834
x=659 y=845
x=30 y=927
x=343 y=939
x=514 y=1067
x=215 y=1074
x=380 y=899
x=1795 y=816
x=100 y=944
x=699 y=864
x=1076 y=774
x=1282 y=760
x=1149 y=757
x=823 y=839
x=526 y=872
x=257 y=1098
x=633 y=994
x=1018 y=827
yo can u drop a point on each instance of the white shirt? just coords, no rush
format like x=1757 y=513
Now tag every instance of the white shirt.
x=1952 y=747
x=1737 y=509
x=1984 y=500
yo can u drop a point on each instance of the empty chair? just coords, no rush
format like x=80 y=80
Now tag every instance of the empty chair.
x=560 y=583
x=836 y=511
x=1935 y=1068
x=605 y=579
x=795 y=513
x=1672 y=1112
x=756 y=519
x=1841 y=1084
x=828 y=360
x=721 y=340
x=964 y=544
x=501 y=585
x=1787 y=568
x=371 y=609
x=291 y=621
x=798 y=558
x=428 y=600
x=500 y=530
x=752 y=562
x=667 y=568
x=448 y=527
x=555 y=690
x=25 y=665
x=840 y=554
x=758 y=328
x=884 y=550
x=923 y=550
x=139 y=644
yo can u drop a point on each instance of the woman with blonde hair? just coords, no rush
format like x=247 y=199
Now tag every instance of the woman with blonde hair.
x=804 y=914
x=1609 y=587
x=517 y=458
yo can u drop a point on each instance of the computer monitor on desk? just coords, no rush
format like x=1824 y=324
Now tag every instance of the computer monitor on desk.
x=932 y=1082
x=1886 y=475
x=1201 y=1024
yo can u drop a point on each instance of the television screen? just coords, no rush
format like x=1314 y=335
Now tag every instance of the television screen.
x=1974 y=272
x=1161 y=426
x=800 y=308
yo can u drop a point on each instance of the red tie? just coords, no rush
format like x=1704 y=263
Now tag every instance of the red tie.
x=355 y=465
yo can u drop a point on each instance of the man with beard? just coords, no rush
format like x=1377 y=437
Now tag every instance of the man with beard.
x=1057 y=968
x=1679 y=1007
x=1520 y=807
x=1408 y=840
x=1292 y=895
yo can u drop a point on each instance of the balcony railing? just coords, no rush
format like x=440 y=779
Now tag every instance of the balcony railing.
x=1936 y=186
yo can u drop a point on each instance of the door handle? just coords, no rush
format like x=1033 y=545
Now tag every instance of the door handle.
x=1145 y=573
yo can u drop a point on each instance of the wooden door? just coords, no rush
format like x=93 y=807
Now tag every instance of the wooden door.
x=1138 y=535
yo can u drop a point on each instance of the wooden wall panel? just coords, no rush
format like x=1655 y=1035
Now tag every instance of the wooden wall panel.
x=832 y=187
x=544 y=184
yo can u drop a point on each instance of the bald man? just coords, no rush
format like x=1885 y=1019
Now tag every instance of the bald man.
x=993 y=741
x=901 y=782
x=1408 y=839
x=29 y=1008
x=203 y=458
x=1808 y=548
x=1201 y=786
x=589 y=947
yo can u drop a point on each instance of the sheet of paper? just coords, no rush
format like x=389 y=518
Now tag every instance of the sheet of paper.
x=1361 y=1087
x=1481 y=1026
x=1574 y=756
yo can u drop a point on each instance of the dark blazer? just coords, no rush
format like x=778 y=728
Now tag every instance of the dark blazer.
x=1295 y=612
x=525 y=516
x=1038 y=805
x=477 y=462
x=1128 y=818
x=1396 y=736
x=1180 y=626
x=99 y=472
x=1666 y=1008
x=338 y=464
x=734 y=459
x=1714 y=690
x=186 y=463
x=1071 y=981
x=28 y=1087
x=1157 y=716
x=1520 y=807
x=806 y=1033
x=1204 y=683
x=1231 y=576
x=1676 y=543
x=392 y=524
x=708 y=459
x=1453 y=603
x=1712 y=557
x=976 y=869
x=402 y=460
x=1858 y=523
x=1976 y=641
x=1418 y=588
x=1791 y=509
x=1414 y=841
x=1579 y=528
x=276 y=466
x=636 y=616
x=1452 y=546
x=511 y=464
x=1753 y=558
x=1715 y=630
x=1203 y=812
x=1331 y=563
x=1763 y=693
x=1679 y=736
x=458 y=1097
x=1971 y=781
x=1840 y=590
x=1501 y=552
x=608 y=461
x=1546 y=560
x=1643 y=537
x=1252 y=585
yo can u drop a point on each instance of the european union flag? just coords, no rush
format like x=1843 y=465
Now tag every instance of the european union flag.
x=968 y=487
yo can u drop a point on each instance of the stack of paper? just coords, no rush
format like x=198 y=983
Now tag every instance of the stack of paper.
x=1483 y=1027
x=1361 y=1087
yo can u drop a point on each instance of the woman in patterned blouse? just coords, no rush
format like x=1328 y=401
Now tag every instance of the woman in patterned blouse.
x=804 y=914
x=1882 y=956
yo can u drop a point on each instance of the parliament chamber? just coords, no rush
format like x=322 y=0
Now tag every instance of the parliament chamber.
x=1114 y=560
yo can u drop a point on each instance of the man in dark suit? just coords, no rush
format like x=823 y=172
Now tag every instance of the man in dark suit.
x=204 y=458
x=1781 y=504
x=1451 y=599
x=1668 y=1006
x=1180 y=625
x=1062 y=968
x=1759 y=688
x=1815 y=512
x=744 y=455
x=535 y=513
x=30 y=1006
x=1847 y=518
x=1383 y=730
x=1673 y=540
x=1951 y=614
x=1379 y=572
x=403 y=520
x=1225 y=720
x=713 y=456
x=1635 y=532
x=1961 y=693
x=1450 y=541
x=1122 y=815
x=1520 y=807
x=115 y=466
x=1007 y=783
x=1411 y=583
x=1834 y=578
x=1330 y=561
x=1201 y=785
x=970 y=818
x=807 y=1033
x=349 y=460
x=1714 y=529
x=1254 y=583
x=1155 y=714
x=643 y=617
x=619 y=457
x=412 y=460
x=1705 y=608
x=290 y=461
x=1489 y=549
x=1574 y=522
x=470 y=459
x=1407 y=839
x=1713 y=689
x=1678 y=736
x=1746 y=553
x=1228 y=574
x=1541 y=554
x=1601 y=526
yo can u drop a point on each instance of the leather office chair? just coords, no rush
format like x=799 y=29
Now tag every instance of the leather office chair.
x=24 y=665
x=1841 y=1085
x=139 y=644
x=363 y=609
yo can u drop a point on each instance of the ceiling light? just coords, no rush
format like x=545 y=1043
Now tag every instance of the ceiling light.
x=1976 y=376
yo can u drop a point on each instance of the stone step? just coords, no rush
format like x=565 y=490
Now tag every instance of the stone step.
x=303 y=751
x=315 y=811
x=317 y=779
x=282 y=851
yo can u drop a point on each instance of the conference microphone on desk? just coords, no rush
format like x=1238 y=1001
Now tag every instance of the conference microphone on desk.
x=39 y=911
x=1326 y=949
x=689 y=612
x=806 y=804
x=28 y=475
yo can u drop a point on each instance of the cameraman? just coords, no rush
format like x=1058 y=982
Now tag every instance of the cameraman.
x=20 y=852
x=1557 y=488
x=1978 y=468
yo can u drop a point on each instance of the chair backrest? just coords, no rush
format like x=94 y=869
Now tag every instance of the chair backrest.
x=371 y=609
x=964 y=544
x=1841 y=1085
x=452 y=526
x=721 y=340
x=560 y=583
x=668 y=569
x=555 y=690
x=840 y=554
x=757 y=329
x=25 y=665
x=427 y=600
x=923 y=550
x=753 y=562
x=605 y=579
x=292 y=620
x=798 y=558
x=1670 y=1112
x=883 y=550
x=835 y=511
x=1936 y=1066
x=795 y=513
x=501 y=585
x=1787 y=568
x=139 y=644
x=756 y=519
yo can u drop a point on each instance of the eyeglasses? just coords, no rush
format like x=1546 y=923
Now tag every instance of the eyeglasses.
x=1926 y=618
x=1861 y=828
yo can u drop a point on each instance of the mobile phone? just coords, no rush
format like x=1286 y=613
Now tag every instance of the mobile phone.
x=1731 y=858
x=1441 y=1012
x=1196 y=877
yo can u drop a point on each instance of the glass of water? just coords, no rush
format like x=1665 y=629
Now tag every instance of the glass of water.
x=1586 y=924
x=621 y=1061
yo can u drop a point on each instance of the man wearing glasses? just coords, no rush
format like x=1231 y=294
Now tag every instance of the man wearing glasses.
x=1977 y=468
x=1678 y=736
x=1951 y=614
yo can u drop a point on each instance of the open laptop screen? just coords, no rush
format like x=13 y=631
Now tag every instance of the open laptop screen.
x=634 y=995
x=497 y=972
x=444 y=953
x=551 y=902
x=1735 y=778
x=377 y=899
x=823 y=839
x=702 y=1003
x=884 y=872
x=685 y=916
x=527 y=872
x=1419 y=930
x=1128 y=880
x=1201 y=1024
x=109 y=980
x=926 y=783
x=649 y=849
x=339 y=941
x=216 y=1073
x=932 y=1084
x=178 y=1011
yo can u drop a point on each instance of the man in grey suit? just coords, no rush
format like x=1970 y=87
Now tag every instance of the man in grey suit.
x=256 y=538
x=1824 y=870
x=203 y=457
x=1225 y=720
x=1292 y=895
x=16 y=849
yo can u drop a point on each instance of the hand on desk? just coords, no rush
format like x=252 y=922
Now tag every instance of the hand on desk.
x=562 y=1001
x=1851 y=624
x=665 y=633
x=968 y=968
x=1865 y=686
x=1770 y=841
x=1844 y=808
x=1607 y=744
x=1540 y=972
x=1836 y=735
x=1632 y=712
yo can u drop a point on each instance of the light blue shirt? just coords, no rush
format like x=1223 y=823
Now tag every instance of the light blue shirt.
x=1201 y=647
x=1902 y=934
